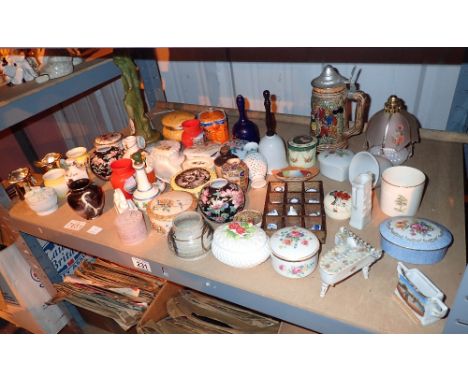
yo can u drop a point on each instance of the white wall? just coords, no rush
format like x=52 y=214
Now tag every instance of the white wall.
x=427 y=89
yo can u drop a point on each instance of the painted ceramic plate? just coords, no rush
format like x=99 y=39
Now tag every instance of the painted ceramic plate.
x=296 y=173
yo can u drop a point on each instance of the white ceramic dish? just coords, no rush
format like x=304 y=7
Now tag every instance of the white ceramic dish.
x=42 y=200
x=335 y=164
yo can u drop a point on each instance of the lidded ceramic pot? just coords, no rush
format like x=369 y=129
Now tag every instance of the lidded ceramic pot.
x=294 y=252
x=392 y=132
x=192 y=180
x=301 y=151
x=240 y=245
x=172 y=124
x=86 y=198
x=338 y=205
x=42 y=200
x=107 y=148
x=220 y=200
x=163 y=209
x=190 y=236
x=167 y=159
x=257 y=165
x=414 y=240
x=334 y=164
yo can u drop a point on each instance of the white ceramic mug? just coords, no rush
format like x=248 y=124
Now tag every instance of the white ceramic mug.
x=402 y=188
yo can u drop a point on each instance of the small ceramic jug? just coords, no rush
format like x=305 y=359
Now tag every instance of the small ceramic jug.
x=257 y=165
x=330 y=116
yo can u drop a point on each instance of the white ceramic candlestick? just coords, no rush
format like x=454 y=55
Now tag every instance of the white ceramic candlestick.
x=361 y=210
x=145 y=190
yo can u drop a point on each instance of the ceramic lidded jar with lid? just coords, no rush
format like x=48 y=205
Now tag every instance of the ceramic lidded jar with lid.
x=334 y=164
x=392 y=132
x=240 y=245
x=165 y=207
x=220 y=200
x=414 y=240
x=301 y=151
x=172 y=124
x=330 y=116
x=107 y=148
x=294 y=252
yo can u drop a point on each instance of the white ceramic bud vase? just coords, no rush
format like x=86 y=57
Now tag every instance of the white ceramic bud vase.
x=257 y=165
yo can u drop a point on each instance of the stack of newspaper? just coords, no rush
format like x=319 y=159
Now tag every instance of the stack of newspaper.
x=193 y=312
x=110 y=290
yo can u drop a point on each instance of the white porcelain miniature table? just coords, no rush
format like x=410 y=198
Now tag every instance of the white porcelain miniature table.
x=350 y=255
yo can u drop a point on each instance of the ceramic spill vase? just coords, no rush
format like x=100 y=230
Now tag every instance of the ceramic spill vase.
x=256 y=164
x=220 y=200
x=122 y=176
x=190 y=236
x=302 y=151
x=107 y=148
x=236 y=171
x=86 y=198
x=361 y=210
x=330 y=105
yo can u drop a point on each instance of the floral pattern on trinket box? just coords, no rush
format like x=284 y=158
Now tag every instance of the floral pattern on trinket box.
x=293 y=238
x=238 y=230
x=415 y=229
x=297 y=271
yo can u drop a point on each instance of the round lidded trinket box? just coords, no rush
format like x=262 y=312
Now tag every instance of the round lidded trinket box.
x=163 y=209
x=338 y=205
x=240 y=245
x=220 y=200
x=414 y=240
x=294 y=252
x=192 y=180
x=334 y=164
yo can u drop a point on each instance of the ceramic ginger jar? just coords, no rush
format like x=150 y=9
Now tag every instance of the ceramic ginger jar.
x=236 y=171
x=220 y=200
x=107 y=148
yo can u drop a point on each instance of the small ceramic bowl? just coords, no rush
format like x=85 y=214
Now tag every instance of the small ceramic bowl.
x=294 y=252
x=42 y=200
x=249 y=216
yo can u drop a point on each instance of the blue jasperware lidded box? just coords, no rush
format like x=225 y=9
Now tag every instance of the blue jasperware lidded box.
x=414 y=240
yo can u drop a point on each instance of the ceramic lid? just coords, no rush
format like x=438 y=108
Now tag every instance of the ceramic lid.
x=294 y=243
x=303 y=141
x=192 y=178
x=167 y=148
x=339 y=202
x=240 y=237
x=329 y=78
x=209 y=116
x=336 y=158
x=174 y=119
x=209 y=150
x=107 y=139
x=415 y=233
x=169 y=204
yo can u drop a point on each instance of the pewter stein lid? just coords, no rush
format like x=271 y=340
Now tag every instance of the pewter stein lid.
x=329 y=78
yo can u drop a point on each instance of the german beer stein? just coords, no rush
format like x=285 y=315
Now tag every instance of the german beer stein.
x=331 y=108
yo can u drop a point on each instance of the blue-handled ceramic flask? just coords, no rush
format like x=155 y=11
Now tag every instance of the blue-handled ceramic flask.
x=244 y=128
